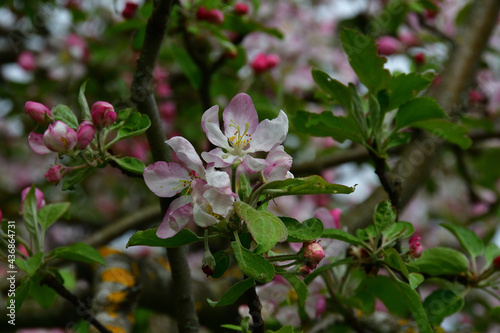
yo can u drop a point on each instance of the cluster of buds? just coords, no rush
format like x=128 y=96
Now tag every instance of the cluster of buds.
x=213 y=16
x=59 y=137
x=264 y=62
x=415 y=247
x=313 y=254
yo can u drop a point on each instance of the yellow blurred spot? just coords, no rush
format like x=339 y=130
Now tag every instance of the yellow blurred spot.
x=115 y=329
x=119 y=275
x=198 y=306
x=107 y=251
x=117 y=297
x=131 y=317
x=403 y=322
x=359 y=313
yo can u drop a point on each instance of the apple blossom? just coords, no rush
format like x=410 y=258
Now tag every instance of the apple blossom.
x=38 y=112
x=59 y=137
x=278 y=165
x=85 y=134
x=210 y=194
x=263 y=62
x=313 y=254
x=243 y=134
x=103 y=114
x=40 y=201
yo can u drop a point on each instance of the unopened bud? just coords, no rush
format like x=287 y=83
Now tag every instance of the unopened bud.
x=419 y=58
x=38 y=112
x=313 y=253
x=40 y=202
x=496 y=263
x=208 y=264
x=59 y=137
x=55 y=174
x=387 y=45
x=85 y=134
x=26 y=60
x=103 y=114
x=241 y=8
x=129 y=10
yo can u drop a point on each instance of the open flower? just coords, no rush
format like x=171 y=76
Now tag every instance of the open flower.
x=207 y=193
x=243 y=134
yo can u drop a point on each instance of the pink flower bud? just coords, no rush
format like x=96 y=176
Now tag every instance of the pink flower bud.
x=35 y=141
x=305 y=270
x=201 y=14
x=40 y=202
x=320 y=306
x=496 y=263
x=38 y=112
x=21 y=248
x=103 y=114
x=263 y=62
x=313 y=253
x=414 y=240
x=59 y=137
x=208 y=264
x=129 y=10
x=26 y=60
x=476 y=96
x=336 y=212
x=55 y=174
x=215 y=16
x=416 y=251
x=241 y=8
x=84 y=134
x=419 y=58
x=409 y=39
x=387 y=45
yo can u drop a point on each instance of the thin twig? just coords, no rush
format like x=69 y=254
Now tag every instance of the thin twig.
x=255 y=308
x=52 y=282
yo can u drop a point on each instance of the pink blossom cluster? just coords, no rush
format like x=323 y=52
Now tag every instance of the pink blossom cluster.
x=207 y=195
x=61 y=138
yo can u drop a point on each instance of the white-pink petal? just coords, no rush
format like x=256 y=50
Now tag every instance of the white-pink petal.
x=202 y=218
x=186 y=153
x=253 y=164
x=221 y=202
x=210 y=125
x=239 y=114
x=278 y=165
x=217 y=178
x=166 y=179
x=269 y=133
x=179 y=214
x=219 y=158
x=35 y=141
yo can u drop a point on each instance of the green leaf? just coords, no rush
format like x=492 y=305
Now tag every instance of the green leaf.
x=417 y=110
x=491 y=252
x=30 y=265
x=74 y=177
x=131 y=164
x=285 y=329
x=78 y=252
x=397 y=139
x=265 y=227
x=44 y=295
x=245 y=189
x=51 y=213
x=30 y=212
x=253 y=265
x=298 y=232
x=441 y=304
x=334 y=88
x=384 y=215
x=64 y=113
x=233 y=293
x=404 y=87
x=414 y=303
x=399 y=230
x=187 y=65
x=362 y=53
x=442 y=261
x=452 y=132
x=343 y=236
x=22 y=291
x=302 y=186
x=138 y=39
x=415 y=280
x=222 y=262
x=299 y=286
x=148 y=237
x=326 y=124
x=467 y=238
x=393 y=259
x=83 y=101
x=136 y=124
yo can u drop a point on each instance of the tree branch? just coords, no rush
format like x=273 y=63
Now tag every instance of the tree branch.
x=142 y=95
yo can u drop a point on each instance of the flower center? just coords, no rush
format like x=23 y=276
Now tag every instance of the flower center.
x=240 y=140
x=186 y=183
